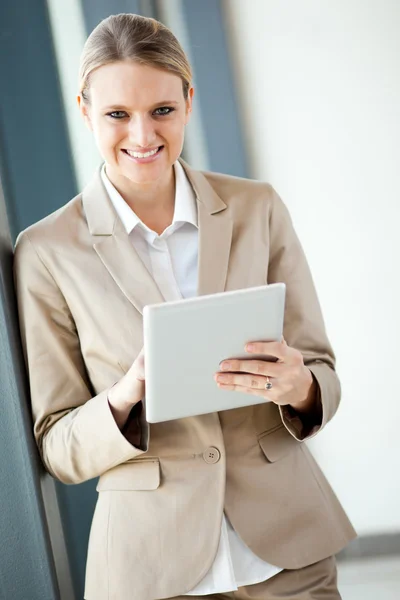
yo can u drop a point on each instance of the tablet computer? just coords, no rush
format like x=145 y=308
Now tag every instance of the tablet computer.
x=186 y=340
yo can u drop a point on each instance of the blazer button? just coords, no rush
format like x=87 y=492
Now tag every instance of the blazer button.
x=212 y=455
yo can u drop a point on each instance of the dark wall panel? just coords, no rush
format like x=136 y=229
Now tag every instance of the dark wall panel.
x=216 y=93
x=96 y=10
x=26 y=563
x=35 y=160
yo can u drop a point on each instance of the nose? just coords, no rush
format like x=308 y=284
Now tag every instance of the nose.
x=142 y=132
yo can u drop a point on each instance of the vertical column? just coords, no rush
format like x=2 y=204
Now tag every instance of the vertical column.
x=35 y=159
x=27 y=568
x=216 y=94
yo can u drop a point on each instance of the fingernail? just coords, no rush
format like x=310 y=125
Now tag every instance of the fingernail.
x=250 y=347
x=225 y=367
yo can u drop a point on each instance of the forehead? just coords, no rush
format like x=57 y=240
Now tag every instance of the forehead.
x=131 y=83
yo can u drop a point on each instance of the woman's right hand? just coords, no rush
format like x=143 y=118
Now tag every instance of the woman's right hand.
x=129 y=390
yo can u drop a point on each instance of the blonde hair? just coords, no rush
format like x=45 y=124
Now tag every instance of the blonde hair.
x=133 y=37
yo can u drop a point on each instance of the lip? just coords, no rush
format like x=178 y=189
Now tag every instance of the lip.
x=142 y=150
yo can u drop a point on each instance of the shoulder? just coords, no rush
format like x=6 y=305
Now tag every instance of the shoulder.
x=243 y=195
x=250 y=202
x=237 y=192
x=61 y=226
x=228 y=186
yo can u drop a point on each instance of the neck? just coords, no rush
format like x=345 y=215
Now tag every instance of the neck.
x=152 y=202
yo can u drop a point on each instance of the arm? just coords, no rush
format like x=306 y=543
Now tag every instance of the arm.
x=77 y=435
x=304 y=327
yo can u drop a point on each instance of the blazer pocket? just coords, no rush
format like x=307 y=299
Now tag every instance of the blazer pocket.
x=132 y=476
x=277 y=443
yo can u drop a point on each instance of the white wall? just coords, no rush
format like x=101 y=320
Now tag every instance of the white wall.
x=319 y=90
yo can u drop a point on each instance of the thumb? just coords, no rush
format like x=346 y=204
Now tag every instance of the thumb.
x=139 y=366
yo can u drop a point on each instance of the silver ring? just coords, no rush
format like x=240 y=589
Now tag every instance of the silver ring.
x=268 y=385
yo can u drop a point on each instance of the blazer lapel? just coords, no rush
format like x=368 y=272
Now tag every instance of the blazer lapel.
x=215 y=234
x=128 y=271
x=115 y=249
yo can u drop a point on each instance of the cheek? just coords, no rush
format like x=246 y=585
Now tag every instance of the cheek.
x=106 y=136
x=175 y=133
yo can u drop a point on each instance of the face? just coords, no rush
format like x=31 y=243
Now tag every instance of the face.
x=138 y=116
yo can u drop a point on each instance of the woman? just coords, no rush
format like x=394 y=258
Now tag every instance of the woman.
x=227 y=505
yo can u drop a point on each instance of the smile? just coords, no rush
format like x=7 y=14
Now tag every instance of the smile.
x=143 y=154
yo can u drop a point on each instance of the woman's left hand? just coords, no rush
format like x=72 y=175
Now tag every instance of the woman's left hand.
x=291 y=381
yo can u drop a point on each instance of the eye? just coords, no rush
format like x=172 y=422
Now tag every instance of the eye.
x=163 y=111
x=117 y=114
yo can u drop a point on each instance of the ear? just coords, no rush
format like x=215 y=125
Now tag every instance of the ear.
x=189 y=105
x=84 y=110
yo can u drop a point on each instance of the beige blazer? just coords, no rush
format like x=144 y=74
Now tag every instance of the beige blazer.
x=81 y=290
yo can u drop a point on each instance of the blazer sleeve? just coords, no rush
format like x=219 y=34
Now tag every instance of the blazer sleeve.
x=76 y=433
x=304 y=327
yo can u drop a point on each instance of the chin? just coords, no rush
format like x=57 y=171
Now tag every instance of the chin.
x=144 y=178
x=146 y=173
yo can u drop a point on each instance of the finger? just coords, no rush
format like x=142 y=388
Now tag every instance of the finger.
x=277 y=349
x=138 y=366
x=245 y=390
x=255 y=382
x=280 y=350
x=256 y=367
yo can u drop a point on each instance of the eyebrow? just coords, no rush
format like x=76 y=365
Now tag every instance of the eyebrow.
x=158 y=104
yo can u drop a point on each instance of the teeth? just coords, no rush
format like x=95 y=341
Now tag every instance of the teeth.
x=140 y=155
